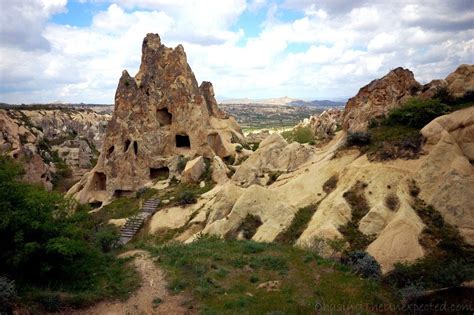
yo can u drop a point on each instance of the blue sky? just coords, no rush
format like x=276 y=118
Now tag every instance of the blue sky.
x=74 y=51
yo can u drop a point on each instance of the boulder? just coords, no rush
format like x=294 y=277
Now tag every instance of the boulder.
x=193 y=170
x=219 y=170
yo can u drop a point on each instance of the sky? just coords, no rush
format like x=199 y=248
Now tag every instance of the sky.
x=74 y=51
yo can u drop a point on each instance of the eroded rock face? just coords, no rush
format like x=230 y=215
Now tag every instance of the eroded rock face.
x=461 y=81
x=324 y=125
x=274 y=156
x=33 y=136
x=446 y=176
x=377 y=98
x=159 y=114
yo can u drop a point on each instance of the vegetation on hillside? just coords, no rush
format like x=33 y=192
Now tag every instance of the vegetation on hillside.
x=398 y=134
x=55 y=256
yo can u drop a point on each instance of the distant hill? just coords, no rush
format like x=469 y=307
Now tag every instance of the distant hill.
x=283 y=101
x=317 y=103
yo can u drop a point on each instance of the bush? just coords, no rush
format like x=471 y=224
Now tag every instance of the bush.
x=106 y=237
x=44 y=245
x=187 y=197
x=238 y=149
x=358 y=138
x=363 y=264
x=432 y=273
x=416 y=113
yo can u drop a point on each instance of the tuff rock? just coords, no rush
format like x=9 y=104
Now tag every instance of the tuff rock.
x=160 y=114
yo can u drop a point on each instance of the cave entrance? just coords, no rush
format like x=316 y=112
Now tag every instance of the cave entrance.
x=99 y=181
x=164 y=116
x=110 y=151
x=182 y=141
x=160 y=173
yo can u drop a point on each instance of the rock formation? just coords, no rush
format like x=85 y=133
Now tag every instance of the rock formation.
x=324 y=125
x=378 y=97
x=34 y=135
x=160 y=114
x=457 y=84
x=443 y=176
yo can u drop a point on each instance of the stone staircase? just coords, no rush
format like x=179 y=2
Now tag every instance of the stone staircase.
x=134 y=223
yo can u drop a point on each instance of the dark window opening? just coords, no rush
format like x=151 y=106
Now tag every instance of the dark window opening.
x=182 y=141
x=135 y=147
x=127 y=144
x=163 y=116
x=123 y=193
x=99 y=181
x=159 y=173
x=110 y=151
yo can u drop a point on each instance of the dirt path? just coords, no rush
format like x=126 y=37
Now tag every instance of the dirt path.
x=142 y=301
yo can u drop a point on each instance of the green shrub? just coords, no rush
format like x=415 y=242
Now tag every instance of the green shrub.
x=363 y=264
x=106 y=237
x=44 y=245
x=416 y=113
x=187 y=197
x=358 y=138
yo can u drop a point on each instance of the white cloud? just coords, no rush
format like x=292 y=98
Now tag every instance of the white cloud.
x=342 y=47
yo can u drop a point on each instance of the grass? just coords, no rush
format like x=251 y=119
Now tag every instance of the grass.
x=297 y=226
x=359 y=206
x=223 y=277
x=300 y=135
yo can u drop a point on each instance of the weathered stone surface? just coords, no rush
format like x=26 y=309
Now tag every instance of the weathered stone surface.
x=33 y=135
x=159 y=114
x=446 y=176
x=324 y=125
x=273 y=156
x=193 y=170
x=377 y=98
x=461 y=81
x=257 y=137
x=219 y=170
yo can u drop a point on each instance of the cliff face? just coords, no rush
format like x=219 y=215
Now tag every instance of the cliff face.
x=160 y=114
x=45 y=138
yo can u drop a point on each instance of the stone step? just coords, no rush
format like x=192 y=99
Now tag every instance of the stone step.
x=135 y=223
